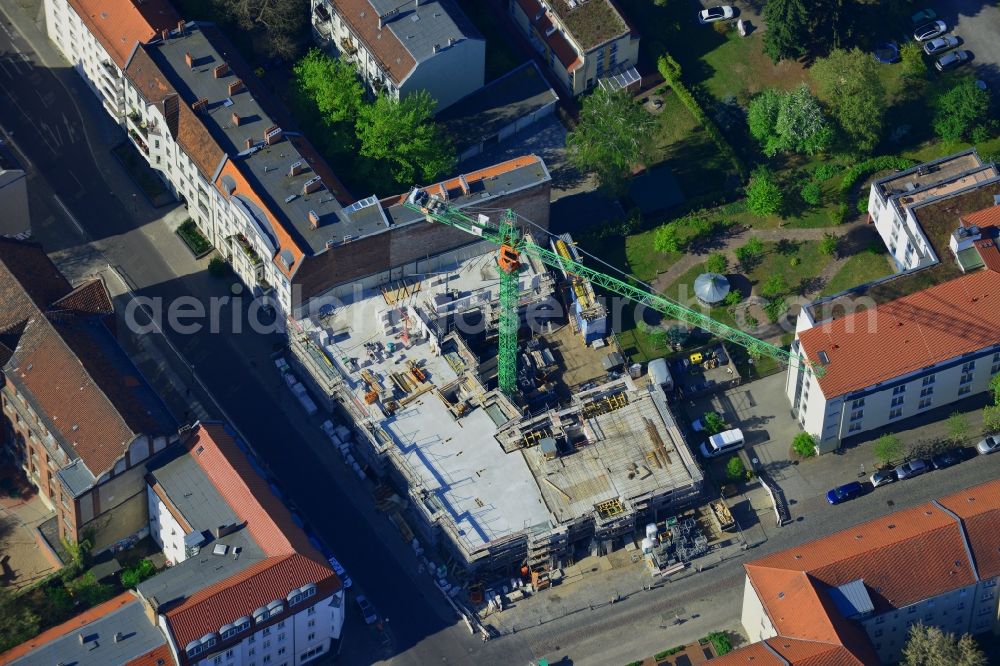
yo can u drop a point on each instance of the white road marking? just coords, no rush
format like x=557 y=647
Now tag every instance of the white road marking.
x=69 y=215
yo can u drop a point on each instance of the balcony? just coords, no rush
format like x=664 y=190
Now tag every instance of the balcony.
x=137 y=140
x=248 y=249
x=347 y=46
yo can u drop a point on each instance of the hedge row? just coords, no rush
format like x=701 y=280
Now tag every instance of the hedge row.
x=671 y=72
x=870 y=166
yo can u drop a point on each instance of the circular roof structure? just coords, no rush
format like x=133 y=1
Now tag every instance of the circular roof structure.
x=711 y=288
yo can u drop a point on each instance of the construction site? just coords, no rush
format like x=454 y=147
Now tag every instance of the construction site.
x=507 y=454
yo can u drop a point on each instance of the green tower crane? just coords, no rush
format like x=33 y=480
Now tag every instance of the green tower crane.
x=513 y=242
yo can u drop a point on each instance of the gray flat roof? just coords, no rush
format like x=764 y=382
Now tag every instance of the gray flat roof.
x=419 y=27
x=197 y=499
x=265 y=167
x=482 y=114
x=139 y=636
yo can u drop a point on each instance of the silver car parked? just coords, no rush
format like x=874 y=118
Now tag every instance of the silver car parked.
x=940 y=44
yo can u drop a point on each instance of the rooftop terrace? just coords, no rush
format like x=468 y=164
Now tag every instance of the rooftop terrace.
x=591 y=22
x=199 y=66
x=928 y=173
x=938 y=217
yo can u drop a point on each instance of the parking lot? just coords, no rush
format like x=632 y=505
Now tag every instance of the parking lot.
x=977 y=23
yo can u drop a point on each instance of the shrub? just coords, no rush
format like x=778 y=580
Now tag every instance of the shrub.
x=666 y=653
x=812 y=193
x=774 y=309
x=735 y=469
x=870 y=166
x=804 y=445
x=140 y=572
x=720 y=641
x=774 y=287
x=218 y=267
x=828 y=245
x=764 y=196
x=665 y=239
x=826 y=171
x=713 y=423
x=750 y=320
x=732 y=298
x=716 y=263
x=794 y=261
x=838 y=214
x=862 y=205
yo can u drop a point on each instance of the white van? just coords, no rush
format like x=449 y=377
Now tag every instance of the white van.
x=722 y=443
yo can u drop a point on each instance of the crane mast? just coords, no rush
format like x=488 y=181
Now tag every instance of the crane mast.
x=513 y=243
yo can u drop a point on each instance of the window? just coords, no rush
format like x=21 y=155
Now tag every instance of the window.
x=311 y=623
x=899 y=389
x=928 y=380
x=926 y=402
x=969 y=367
x=966 y=378
x=911 y=610
x=986 y=596
x=992 y=582
x=281 y=651
x=267 y=659
x=858 y=415
x=995 y=369
x=311 y=611
x=217 y=660
x=229 y=653
x=267 y=631
x=964 y=390
x=860 y=402
x=878 y=633
x=855 y=427
x=897 y=401
x=311 y=636
x=924 y=392
x=281 y=637
x=895 y=413
x=267 y=644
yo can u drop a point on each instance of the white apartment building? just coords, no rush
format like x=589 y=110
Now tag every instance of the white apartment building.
x=851 y=597
x=97 y=37
x=918 y=340
x=583 y=41
x=401 y=46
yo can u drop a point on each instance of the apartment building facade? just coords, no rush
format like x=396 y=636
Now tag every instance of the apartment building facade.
x=854 y=595
x=249 y=588
x=582 y=41
x=399 y=47
x=97 y=37
x=78 y=417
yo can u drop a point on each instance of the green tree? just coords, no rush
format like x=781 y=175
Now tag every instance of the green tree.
x=613 y=134
x=678 y=335
x=912 y=62
x=789 y=28
x=665 y=238
x=735 y=469
x=774 y=287
x=17 y=622
x=995 y=388
x=960 y=110
x=404 y=134
x=804 y=445
x=789 y=122
x=887 y=449
x=848 y=82
x=991 y=418
x=140 y=572
x=958 y=427
x=331 y=84
x=764 y=196
x=713 y=422
x=750 y=253
x=930 y=646
x=732 y=298
x=280 y=24
x=829 y=244
x=88 y=591
x=716 y=263
x=812 y=193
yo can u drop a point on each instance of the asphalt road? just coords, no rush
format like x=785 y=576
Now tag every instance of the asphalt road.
x=47 y=110
x=977 y=22
x=81 y=206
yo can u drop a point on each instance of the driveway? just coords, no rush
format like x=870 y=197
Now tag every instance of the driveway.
x=977 y=22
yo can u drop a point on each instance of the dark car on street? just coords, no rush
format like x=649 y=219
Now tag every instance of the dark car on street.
x=846 y=492
x=948 y=458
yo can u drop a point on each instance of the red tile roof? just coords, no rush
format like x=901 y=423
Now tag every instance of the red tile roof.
x=88 y=616
x=291 y=562
x=988 y=217
x=905 y=335
x=362 y=17
x=792 y=584
x=158 y=656
x=69 y=363
x=979 y=509
x=556 y=40
x=119 y=24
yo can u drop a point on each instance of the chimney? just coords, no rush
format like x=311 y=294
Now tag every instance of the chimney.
x=272 y=135
x=236 y=119
x=437 y=48
x=312 y=185
x=249 y=144
x=295 y=169
x=451 y=41
x=118 y=637
x=221 y=70
x=313 y=219
x=180 y=26
x=235 y=87
x=464 y=183
x=189 y=60
x=381 y=22
x=200 y=104
x=165 y=34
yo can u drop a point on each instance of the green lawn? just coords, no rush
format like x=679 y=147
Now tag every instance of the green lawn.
x=859 y=269
x=780 y=260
